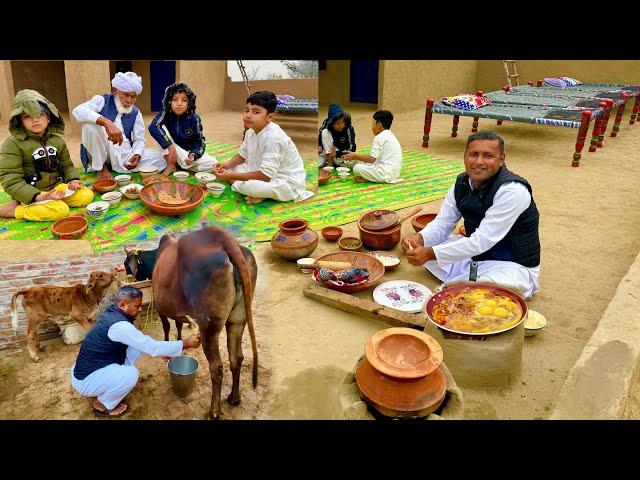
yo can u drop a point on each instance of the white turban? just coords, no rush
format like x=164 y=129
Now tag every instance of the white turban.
x=127 y=82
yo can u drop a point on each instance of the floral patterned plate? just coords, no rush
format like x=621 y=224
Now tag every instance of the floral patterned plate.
x=402 y=295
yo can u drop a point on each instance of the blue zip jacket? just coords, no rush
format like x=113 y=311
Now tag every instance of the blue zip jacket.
x=185 y=130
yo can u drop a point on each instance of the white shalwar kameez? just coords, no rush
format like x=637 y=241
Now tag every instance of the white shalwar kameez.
x=388 y=154
x=204 y=164
x=454 y=252
x=102 y=150
x=113 y=382
x=273 y=153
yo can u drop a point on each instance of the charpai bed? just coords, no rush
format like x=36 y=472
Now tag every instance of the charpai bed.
x=298 y=105
x=574 y=108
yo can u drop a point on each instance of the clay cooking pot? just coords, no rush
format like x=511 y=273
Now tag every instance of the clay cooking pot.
x=294 y=240
x=387 y=238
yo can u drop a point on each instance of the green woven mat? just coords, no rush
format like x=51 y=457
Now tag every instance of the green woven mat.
x=426 y=178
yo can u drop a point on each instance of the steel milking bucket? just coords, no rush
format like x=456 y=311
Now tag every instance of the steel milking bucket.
x=183 y=371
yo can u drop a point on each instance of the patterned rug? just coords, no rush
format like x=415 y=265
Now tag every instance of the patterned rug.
x=426 y=178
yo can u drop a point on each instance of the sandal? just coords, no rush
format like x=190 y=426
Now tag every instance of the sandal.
x=109 y=413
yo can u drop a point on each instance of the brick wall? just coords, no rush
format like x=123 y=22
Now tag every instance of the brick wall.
x=71 y=271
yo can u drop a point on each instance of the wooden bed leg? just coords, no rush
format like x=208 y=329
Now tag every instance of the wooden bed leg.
x=474 y=126
x=427 y=123
x=619 y=114
x=530 y=83
x=582 y=135
x=634 y=110
x=605 y=122
x=506 y=88
x=597 y=127
x=499 y=122
x=539 y=84
x=454 y=127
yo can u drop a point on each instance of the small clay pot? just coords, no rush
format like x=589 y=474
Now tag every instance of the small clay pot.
x=323 y=177
x=350 y=244
x=331 y=234
x=294 y=240
x=70 y=228
x=421 y=221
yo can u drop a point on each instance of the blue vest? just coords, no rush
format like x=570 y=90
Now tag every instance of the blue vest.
x=522 y=243
x=98 y=350
x=110 y=112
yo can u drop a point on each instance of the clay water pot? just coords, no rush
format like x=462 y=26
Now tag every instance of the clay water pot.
x=294 y=239
x=400 y=398
x=381 y=239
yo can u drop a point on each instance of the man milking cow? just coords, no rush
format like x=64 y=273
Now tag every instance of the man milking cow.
x=106 y=364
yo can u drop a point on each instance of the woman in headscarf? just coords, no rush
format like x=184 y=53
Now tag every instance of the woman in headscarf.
x=335 y=138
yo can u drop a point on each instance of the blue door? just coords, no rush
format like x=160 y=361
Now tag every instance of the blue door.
x=163 y=74
x=364 y=81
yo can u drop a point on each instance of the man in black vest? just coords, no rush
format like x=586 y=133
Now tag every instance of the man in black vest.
x=501 y=245
x=113 y=130
x=105 y=367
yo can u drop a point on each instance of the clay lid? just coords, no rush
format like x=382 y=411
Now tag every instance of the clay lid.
x=396 y=397
x=403 y=353
x=379 y=220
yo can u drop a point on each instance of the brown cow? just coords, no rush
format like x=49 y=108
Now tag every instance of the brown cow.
x=80 y=302
x=205 y=275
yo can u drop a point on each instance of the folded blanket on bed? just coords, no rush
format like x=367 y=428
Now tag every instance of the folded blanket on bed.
x=466 y=101
x=561 y=82
x=283 y=99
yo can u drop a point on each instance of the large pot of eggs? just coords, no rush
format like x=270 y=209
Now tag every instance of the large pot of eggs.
x=476 y=309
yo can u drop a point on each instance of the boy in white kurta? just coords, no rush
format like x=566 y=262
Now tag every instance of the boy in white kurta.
x=268 y=164
x=384 y=162
x=113 y=130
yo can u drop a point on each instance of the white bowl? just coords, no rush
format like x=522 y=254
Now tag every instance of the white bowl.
x=533 y=323
x=215 y=189
x=131 y=196
x=113 y=198
x=343 y=175
x=123 y=180
x=147 y=171
x=205 y=177
x=98 y=210
x=342 y=169
x=328 y=169
x=181 y=176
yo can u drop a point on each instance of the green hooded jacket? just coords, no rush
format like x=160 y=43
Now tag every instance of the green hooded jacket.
x=25 y=154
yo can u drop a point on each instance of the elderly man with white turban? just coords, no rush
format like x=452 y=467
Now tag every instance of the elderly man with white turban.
x=113 y=130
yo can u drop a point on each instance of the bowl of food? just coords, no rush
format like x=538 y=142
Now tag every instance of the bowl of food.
x=344 y=175
x=331 y=234
x=388 y=259
x=350 y=244
x=421 y=221
x=70 y=228
x=343 y=169
x=329 y=169
x=98 y=210
x=472 y=308
x=205 y=177
x=112 y=198
x=171 y=198
x=215 y=189
x=104 y=186
x=323 y=177
x=306 y=264
x=534 y=323
x=132 y=191
x=123 y=180
x=181 y=176
x=146 y=171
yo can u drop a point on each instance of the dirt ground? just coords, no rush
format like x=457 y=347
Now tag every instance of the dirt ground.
x=589 y=233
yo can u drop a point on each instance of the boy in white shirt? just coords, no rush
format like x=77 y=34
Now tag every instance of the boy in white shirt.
x=384 y=162
x=268 y=164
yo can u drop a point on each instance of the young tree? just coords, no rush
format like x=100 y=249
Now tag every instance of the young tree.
x=301 y=68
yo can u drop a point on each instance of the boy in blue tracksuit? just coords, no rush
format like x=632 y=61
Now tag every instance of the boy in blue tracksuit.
x=178 y=130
